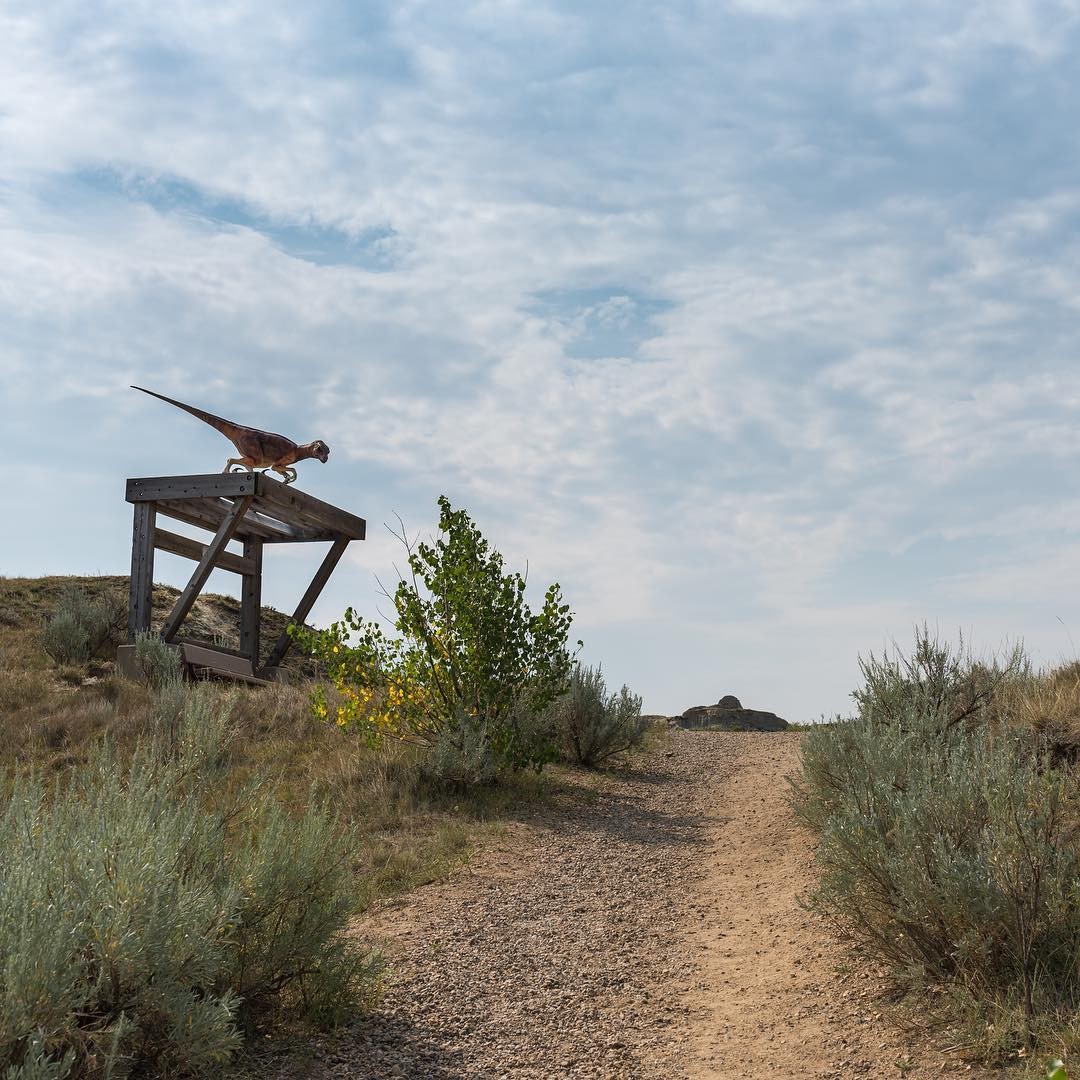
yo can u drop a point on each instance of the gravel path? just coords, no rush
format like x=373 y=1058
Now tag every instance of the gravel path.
x=641 y=926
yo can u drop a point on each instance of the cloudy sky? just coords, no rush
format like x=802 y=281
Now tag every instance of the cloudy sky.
x=753 y=323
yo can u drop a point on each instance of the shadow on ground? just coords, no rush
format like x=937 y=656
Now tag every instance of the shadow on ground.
x=376 y=1047
x=622 y=813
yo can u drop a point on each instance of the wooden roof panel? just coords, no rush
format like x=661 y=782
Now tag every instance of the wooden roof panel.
x=279 y=513
x=291 y=505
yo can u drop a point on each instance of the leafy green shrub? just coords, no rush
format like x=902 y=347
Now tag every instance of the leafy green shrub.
x=945 y=845
x=594 y=725
x=141 y=920
x=82 y=627
x=160 y=663
x=473 y=670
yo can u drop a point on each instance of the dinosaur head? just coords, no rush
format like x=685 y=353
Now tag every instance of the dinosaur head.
x=319 y=449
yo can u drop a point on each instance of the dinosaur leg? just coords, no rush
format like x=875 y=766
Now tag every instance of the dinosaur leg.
x=289 y=474
x=245 y=464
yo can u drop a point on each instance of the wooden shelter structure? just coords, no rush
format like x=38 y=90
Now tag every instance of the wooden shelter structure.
x=248 y=507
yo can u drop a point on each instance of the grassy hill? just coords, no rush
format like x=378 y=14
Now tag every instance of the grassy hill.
x=26 y=603
x=54 y=707
x=57 y=716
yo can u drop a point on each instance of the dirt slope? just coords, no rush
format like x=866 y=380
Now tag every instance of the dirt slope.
x=644 y=926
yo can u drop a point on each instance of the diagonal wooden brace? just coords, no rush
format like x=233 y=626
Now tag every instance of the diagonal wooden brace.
x=229 y=524
x=322 y=575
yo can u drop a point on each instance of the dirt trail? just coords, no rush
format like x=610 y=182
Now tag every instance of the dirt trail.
x=641 y=926
x=775 y=993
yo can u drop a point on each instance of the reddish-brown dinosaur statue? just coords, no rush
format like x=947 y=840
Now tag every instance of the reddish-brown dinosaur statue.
x=257 y=449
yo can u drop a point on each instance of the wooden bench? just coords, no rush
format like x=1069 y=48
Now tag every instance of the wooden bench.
x=204 y=661
x=201 y=661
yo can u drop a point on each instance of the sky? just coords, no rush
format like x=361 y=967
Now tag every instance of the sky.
x=752 y=323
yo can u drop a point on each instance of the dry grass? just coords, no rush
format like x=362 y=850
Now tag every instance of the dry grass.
x=52 y=718
x=18 y=689
x=1049 y=704
x=25 y=603
x=412 y=832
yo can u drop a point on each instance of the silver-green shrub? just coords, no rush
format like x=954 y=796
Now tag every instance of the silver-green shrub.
x=462 y=753
x=159 y=662
x=939 y=679
x=65 y=640
x=592 y=724
x=142 y=914
x=81 y=627
x=945 y=847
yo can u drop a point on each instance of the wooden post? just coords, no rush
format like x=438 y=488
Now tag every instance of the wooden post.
x=251 y=600
x=229 y=524
x=322 y=575
x=142 y=570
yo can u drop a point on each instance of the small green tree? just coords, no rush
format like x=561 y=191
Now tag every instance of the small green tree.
x=474 y=668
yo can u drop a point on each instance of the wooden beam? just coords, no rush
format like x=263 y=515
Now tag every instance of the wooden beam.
x=251 y=600
x=188 y=548
x=207 y=514
x=283 y=531
x=280 y=513
x=219 y=663
x=200 y=486
x=229 y=524
x=142 y=570
x=202 y=656
x=303 y=609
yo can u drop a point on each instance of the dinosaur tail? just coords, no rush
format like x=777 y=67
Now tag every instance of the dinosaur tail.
x=226 y=427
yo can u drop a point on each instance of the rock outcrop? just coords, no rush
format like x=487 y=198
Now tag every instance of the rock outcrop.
x=729 y=715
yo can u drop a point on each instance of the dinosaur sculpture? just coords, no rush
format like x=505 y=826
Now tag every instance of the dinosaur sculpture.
x=258 y=449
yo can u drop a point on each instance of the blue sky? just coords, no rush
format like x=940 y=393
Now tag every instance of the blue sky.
x=754 y=324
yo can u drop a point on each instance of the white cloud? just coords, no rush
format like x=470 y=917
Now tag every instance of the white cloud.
x=829 y=351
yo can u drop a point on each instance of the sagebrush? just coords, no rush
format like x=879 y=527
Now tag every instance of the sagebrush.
x=159 y=662
x=947 y=838
x=144 y=920
x=82 y=627
x=592 y=724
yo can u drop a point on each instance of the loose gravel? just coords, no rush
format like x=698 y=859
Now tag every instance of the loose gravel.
x=642 y=925
x=556 y=952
